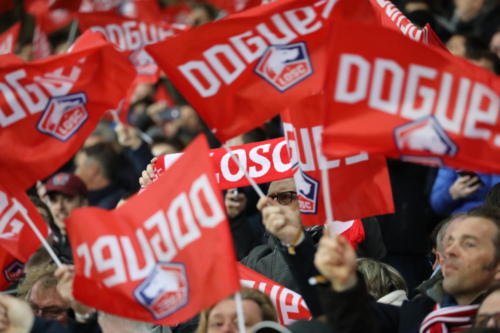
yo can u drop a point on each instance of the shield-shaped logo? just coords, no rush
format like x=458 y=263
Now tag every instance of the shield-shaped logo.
x=307 y=192
x=425 y=135
x=144 y=64
x=14 y=271
x=283 y=66
x=165 y=290
x=63 y=116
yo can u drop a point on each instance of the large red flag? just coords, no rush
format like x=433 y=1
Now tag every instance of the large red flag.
x=248 y=67
x=48 y=108
x=163 y=256
x=289 y=305
x=411 y=102
x=359 y=183
x=16 y=235
x=391 y=17
x=8 y=39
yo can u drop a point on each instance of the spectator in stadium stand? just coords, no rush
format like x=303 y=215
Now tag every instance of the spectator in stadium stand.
x=493 y=196
x=471 y=265
x=495 y=43
x=221 y=317
x=106 y=174
x=162 y=145
x=488 y=314
x=475 y=17
x=16 y=316
x=287 y=257
x=383 y=282
x=201 y=13
x=457 y=191
x=51 y=299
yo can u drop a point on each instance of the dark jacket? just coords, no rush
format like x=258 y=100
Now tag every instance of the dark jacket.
x=293 y=271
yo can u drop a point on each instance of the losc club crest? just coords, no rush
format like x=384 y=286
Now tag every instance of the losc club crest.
x=63 y=116
x=165 y=290
x=14 y=271
x=307 y=192
x=144 y=64
x=284 y=65
x=424 y=135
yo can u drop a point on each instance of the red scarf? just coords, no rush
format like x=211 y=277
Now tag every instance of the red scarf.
x=449 y=319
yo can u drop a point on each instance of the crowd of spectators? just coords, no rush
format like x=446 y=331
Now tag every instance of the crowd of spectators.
x=396 y=282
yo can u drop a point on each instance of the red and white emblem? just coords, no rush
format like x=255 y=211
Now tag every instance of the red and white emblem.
x=283 y=66
x=63 y=116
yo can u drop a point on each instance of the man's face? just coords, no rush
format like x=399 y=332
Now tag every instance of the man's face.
x=284 y=189
x=47 y=303
x=488 y=314
x=223 y=318
x=61 y=206
x=469 y=263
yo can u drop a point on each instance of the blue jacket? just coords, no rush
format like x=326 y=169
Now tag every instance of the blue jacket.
x=441 y=200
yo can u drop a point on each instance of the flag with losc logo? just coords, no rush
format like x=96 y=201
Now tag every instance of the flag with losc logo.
x=16 y=235
x=432 y=108
x=250 y=65
x=359 y=183
x=49 y=107
x=163 y=256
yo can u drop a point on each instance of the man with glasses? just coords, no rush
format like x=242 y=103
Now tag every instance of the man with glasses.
x=287 y=258
x=488 y=314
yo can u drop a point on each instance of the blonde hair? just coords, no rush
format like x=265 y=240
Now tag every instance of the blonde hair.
x=380 y=278
x=263 y=301
x=44 y=274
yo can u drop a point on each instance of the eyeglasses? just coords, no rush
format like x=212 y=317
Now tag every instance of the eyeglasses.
x=284 y=198
x=482 y=320
x=48 y=312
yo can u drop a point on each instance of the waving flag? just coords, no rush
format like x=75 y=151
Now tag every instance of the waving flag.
x=16 y=235
x=8 y=39
x=412 y=102
x=49 y=107
x=289 y=305
x=163 y=256
x=248 y=67
x=391 y=17
x=265 y=161
x=359 y=183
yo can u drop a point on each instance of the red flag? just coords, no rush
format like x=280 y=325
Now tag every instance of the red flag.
x=359 y=184
x=49 y=107
x=11 y=269
x=49 y=16
x=391 y=17
x=41 y=44
x=265 y=161
x=16 y=235
x=234 y=78
x=131 y=35
x=163 y=256
x=8 y=39
x=289 y=305
x=411 y=102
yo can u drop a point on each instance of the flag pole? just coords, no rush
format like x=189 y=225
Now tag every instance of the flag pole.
x=40 y=237
x=250 y=179
x=72 y=31
x=239 y=312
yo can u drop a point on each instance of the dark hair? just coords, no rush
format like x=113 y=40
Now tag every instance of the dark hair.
x=492 y=214
x=493 y=196
x=105 y=155
x=174 y=142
